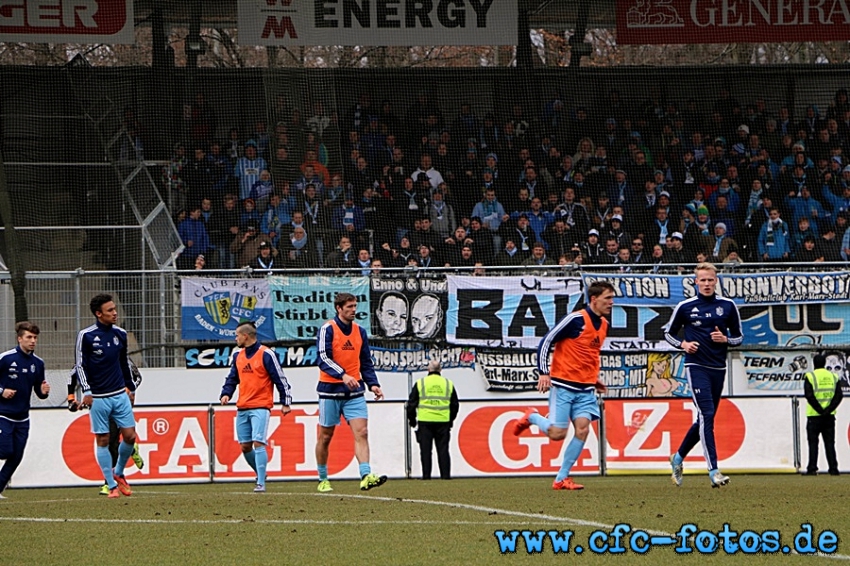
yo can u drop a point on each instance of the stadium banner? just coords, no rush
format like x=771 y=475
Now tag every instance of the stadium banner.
x=842 y=434
x=409 y=307
x=213 y=308
x=216 y=357
x=82 y=21
x=301 y=305
x=484 y=444
x=753 y=435
x=416 y=360
x=383 y=22
x=755 y=289
x=508 y=312
x=782 y=372
x=731 y=21
x=292 y=445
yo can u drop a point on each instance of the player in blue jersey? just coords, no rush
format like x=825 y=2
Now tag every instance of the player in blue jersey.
x=21 y=373
x=710 y=324
x=107 y=383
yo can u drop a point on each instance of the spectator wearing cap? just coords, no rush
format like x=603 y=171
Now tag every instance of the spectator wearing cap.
x=266 y=258
x=195 y=238
x=538 y=256
x=722 y=243
x=424 y=259
x=591 y=249
x=246 y=244
x=617 y=232
x=248 y=168
x=433 y=176
x=675 y=254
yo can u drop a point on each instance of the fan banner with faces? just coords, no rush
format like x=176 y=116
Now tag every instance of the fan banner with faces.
x=409 y=307
x=786 y=370
x=302 y=305
x=508 y=312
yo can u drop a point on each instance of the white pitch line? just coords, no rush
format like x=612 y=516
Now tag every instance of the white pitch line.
x=242 y=521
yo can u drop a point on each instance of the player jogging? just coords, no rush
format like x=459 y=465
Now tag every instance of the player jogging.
x=573 y=378
x=710 y=325
x=255 y=369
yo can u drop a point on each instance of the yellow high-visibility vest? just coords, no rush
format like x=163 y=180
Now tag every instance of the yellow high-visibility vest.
x=435 y=395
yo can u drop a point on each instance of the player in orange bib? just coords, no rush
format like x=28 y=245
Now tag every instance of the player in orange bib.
x=573 y=377
x=345 y=363
x=256 y=371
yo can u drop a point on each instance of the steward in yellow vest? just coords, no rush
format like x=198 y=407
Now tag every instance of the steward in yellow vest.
x=823 y=395
x=433 y=405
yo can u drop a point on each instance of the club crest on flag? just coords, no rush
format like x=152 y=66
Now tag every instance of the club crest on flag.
x=218 y=307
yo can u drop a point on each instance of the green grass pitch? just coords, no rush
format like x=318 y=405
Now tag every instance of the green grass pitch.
x=408 y=521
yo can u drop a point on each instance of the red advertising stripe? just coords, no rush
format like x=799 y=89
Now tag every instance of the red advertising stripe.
x=487 y=444
x=79 y=17
x=731 y=21
x=291 y=446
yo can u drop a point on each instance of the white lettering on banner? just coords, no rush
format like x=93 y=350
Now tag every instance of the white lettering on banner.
x=706 y=13
x=48 y=13
x=190 y=430
x=310 y=424
x=497 y=449
x=637 y=287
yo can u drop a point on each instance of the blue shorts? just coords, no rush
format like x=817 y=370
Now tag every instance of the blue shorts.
x=117 y=408
x=252 y=425
x=352 y=408
x=566 y=405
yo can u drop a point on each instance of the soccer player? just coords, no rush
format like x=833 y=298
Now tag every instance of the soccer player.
x=572 y=379
x=345 y=363
x=107 y=383
x=711 y=323
x=254 y=375
x=114 y=434
x=21 y=372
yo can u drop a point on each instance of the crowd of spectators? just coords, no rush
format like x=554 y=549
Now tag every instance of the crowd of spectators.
x=640 y=184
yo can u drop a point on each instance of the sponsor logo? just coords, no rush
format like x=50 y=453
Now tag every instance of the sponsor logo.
x=653 y=14
x=347 y=345
x=649 y=431
x=487 y=443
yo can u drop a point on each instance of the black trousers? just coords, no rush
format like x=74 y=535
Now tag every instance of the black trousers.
x=821 y=425
x=437 y=434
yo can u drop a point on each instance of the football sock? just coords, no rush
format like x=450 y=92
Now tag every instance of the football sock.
x=571 y=454
x=261 y=459
x=677 y=459
x=249 y=457
x=124 y=452
x=365 y=469
x=540 y=421
x=104 y=460
x=323 y=471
